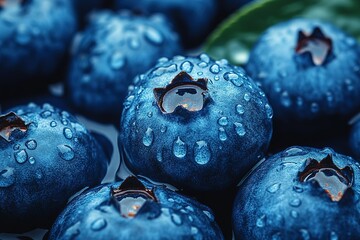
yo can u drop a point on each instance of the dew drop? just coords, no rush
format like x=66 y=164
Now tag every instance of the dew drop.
x=261 y=221
x=202 y=152
x=98 y=224
x=240 y=109
x=277 y=87
x=294 y=151
x=194 y=230
x=295 y=202
x=128 y=101
x=187 y=66
x=153 y=36
x=269 y=111
x=298 y=189
x=333 y=236
x=234 y=78
x=159 y=155
x=216 y=78
x=273 y=188
x=305 y=234
x=66 y=152
x=222 y=134
x=176 y=219
x=215 y=69
x=149 y=114
x=285 y=99
x=45 y=114
x=134 y=43
x=68 y=133
x=117 y=61
x=239 y=128
x=31 y=144
x=31 y=160
x=247 y=97
x=204 y=57
x=64 y=121
x=21 y=156
x=223 y=121
x=148 y=137
x=16 y=147
x=202 y=64
x=162 y=70
x=179 y=148
x=163 y=128
x=294 y=214
x=53 y=124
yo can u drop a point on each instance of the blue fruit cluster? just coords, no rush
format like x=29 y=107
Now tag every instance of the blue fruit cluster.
x=195 y=123
x=109 y=53
x=193 y=130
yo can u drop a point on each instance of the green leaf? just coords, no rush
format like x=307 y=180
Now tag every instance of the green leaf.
x=235 y=37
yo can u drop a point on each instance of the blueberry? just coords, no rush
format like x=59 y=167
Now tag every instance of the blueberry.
x=310 y=71
x=34 y=37
x=83 y=8
x=108 y=55
x=195 y=123
x=47 y=156
x=354 y=139
x=134 y=209
x=300 y=193
x=192 y=19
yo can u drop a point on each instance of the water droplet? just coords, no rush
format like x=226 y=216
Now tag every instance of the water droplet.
x=163 y=128
x=285 y=99
x=66 y=152
x=314 y=107
x=294 y=151
x=53 y=124
x=350 y=41
x=98 y=224
x=159 y=155
x=187 y=66
x=247 y=97
x=117 y=61
x=179 y=148
x=68 y=133
x=305 y=234
x=148 y=137
x=153 y=36
x=163 y=60
x=222 y=134
x=64 y=121
x=16 y=147
x=239 y=128
x=162 y=70
x=31 y=160
x=128 y=101
x=171 y=200
x=269 y=111
x=194 y=230
x=273 y=188
x=298 y=189
x=209 y=215
x=7 y=177
x=46 y=114
x=134 y=43
x=204 y=57
x=215 y=69
x=176 y=219
x=223 y=121
x=294 y=214
x=38 y=174
x=200 y=73
x=216 y=78
x=295 y=202
x=21 y=156
x=23 y=35
x=333 y=236
x=261 y=221
x=202 y=152
x=31 y=144
x=240 y=109
x=149 y=114
x=234 y=78
x=202 y=64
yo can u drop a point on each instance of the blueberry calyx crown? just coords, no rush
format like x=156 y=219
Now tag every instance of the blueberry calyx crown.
x=131 y=196
x=317 y=44
x=331 y=178
x=9 y=123
x=183 y=91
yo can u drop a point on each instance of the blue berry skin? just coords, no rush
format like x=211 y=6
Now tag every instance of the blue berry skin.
x=47 y=156
x=109 y=53
x=354 y=139
x=192 y=19
x=211 y=139
x=304 y=88
x=97 y=214
x=300 y=193
x=34 y=38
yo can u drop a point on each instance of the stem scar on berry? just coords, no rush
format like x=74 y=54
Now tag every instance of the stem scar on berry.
x=9 y=123
x=183 y=91
x=317 y=44
x=131 y=196
x=331 y=178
